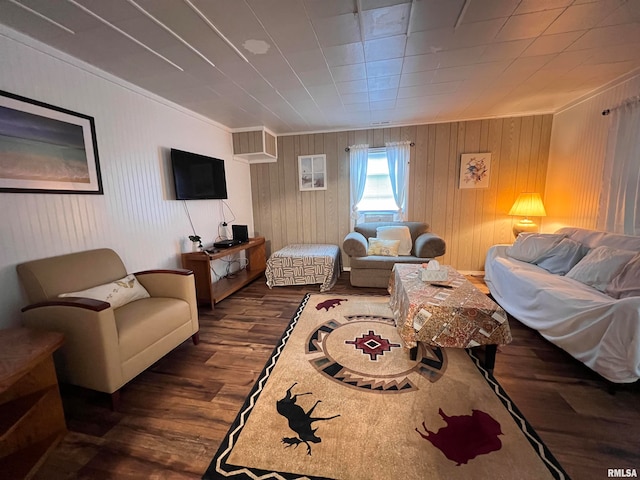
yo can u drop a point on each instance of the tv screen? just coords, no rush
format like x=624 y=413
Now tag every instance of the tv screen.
x=198 y=177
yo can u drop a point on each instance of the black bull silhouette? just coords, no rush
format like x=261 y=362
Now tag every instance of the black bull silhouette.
x=299 y=421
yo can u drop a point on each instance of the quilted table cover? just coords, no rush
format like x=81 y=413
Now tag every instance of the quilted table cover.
x=304 y=264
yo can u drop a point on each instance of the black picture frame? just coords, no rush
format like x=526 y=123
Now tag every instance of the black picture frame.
x=46 y=149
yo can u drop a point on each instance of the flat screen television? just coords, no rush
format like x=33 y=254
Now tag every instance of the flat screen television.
x=198 y=177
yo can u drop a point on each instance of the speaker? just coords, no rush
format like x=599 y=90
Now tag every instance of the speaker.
x=240 y=233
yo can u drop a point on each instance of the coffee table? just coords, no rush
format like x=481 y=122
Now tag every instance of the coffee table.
x=458 y=316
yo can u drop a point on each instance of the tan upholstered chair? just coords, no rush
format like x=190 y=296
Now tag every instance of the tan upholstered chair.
x=106 y=347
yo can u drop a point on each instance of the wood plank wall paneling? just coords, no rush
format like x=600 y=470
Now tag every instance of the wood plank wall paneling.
x=470 y=220
x=576 y=158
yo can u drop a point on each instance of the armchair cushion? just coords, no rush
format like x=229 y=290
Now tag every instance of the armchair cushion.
x=401 y=233
x=386 y=248
x=117 y=293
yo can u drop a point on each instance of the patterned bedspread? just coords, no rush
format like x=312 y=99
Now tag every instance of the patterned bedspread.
x=303 y=264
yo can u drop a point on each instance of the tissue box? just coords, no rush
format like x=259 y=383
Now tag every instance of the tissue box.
x=440 y=275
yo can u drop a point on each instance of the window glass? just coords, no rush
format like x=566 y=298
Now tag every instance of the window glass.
x=378 y=195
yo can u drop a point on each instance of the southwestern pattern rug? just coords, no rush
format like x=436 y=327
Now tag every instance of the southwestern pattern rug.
x=340 y=399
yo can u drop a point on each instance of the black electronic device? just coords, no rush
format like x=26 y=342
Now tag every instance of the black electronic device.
x=240 y=233
x=226 y=243
x=198 y=177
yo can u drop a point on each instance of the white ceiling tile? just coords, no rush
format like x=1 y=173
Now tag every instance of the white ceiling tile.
x=528 y=25
x=296 y=37
x=607 y=37
x=328 y=8
x=418 y=78
x=350 y=98
x=379 y=95
x=420 y=63
x=504 y=50
x=385 y=48
x=382 y=105
x=355 y=86
x=346 y=73
x=453 y=74
x=384 y=68
x=582 y=17
x=320 y=76
x=386 y=21
x=427 y=90
x=358 y=107
x=552 y=43
x=306 y=60
x=530 y=6
x=370 y=4
x=461 y=56
x=628 y=12
x=383 y=83
x=276 y=13
x=339 y=30
x=344 y=54
x=478 y=11
x=435 y=14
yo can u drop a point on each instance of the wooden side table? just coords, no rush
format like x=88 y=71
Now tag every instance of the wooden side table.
x=209 y=292
x=31 y=415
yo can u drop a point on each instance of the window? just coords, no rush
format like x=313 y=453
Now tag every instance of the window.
x=378 y=195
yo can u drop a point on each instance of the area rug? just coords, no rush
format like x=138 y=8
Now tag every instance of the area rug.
x=340 y=399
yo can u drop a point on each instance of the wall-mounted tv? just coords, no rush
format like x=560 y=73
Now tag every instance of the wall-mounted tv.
x=198 y=177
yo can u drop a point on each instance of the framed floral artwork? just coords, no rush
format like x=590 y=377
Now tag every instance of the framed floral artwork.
x=313 y=172
x=474 y=170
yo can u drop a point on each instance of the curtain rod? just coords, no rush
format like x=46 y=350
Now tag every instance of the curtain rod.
x=412 y=144
x=626 y=102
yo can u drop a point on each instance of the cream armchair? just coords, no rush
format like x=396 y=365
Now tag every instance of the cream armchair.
x=105 y=347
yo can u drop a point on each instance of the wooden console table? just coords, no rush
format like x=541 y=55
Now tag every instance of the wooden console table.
x=31 y=415
x=209 y=292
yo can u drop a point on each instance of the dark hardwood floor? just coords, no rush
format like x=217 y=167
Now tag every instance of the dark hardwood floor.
x=173 y=416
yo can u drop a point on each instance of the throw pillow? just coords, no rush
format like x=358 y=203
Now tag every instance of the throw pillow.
x=401 y=233
x=528 y=247
x=387 y=248
x=562 y=258
x=600 y=266
x=117 y=293
x=627 y=283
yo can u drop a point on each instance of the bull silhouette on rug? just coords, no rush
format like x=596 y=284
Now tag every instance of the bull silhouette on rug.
x=299 y=421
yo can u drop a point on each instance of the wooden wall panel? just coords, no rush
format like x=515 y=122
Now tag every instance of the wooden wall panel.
x=470 y=220
x=576 y=158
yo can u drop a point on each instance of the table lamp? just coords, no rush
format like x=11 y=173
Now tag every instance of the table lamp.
x=527 y=205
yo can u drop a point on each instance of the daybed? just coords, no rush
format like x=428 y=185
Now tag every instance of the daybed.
x=304 y=264
x=368 y=270
x=570 y=308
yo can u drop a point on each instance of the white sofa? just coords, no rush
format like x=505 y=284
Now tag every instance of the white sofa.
x=600 y=331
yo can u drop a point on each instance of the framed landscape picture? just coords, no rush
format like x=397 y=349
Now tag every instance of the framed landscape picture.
x=313 y=172
x=474 y=170
x=46 y=149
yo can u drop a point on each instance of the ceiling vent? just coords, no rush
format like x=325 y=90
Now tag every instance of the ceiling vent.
x=257 y=145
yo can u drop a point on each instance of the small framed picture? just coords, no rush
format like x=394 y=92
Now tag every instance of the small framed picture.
x=474 y=170
x=313 y=172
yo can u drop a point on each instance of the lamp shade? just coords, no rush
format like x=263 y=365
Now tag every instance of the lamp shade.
x=528 y=205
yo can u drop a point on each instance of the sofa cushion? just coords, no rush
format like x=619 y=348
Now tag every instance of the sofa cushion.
x=563 y=257
x=117 y=293
x=378 y=262
x=528 y=247
x=401 y=233
x=600 y=266
x=386 y=248
x=371 y=229
x=141 y=324
x=627 y=282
